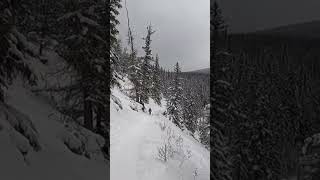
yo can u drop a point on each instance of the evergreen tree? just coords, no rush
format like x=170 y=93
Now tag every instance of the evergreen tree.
x=102 y=65
x=221 y=102
x=86 y=32
x=123 y=58
x=146 y=68
x=156 y=83
x=189 y=109
x=76 y=51
x=113 y=12
x=13 y=47
x=134 y=64
x=204 y=127
x=135 y=77
x=175 y=98
x=220 y=114
x=217 y=25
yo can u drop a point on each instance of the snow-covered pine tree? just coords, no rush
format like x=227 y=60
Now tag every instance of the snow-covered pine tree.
x=174 y=100
x=146 y=68
x=220 y=103
x=37 y=21
x=189 y=110
x=135 y=75
x=217 y=25
x=156 y=82
x=13 y=48
x=164 y=79
x=85 y=36
x=114 y=6
x=220 y=114
x=87 y=31
x=134 y=63
x=76 y=41
x=123 y=58
x=105 y=10
x=113 y=12
x=204 y=127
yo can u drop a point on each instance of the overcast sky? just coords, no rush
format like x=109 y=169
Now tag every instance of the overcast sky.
x=251 y=15
x=182 y=30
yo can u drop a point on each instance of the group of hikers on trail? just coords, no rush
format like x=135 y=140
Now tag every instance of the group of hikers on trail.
x=143 y=109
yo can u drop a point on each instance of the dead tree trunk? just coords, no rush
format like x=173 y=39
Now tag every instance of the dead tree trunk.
x=1 y=95
x=99 y=119
x=87 y=110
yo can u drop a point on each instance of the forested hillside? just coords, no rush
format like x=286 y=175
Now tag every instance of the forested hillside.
x=264 y=100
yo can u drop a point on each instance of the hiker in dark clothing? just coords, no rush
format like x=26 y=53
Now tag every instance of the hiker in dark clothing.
x=164 y=113
x=143 y=108
x=150 y=111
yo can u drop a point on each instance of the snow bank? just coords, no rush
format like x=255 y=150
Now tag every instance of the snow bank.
x=21 y=128
x=82 y=142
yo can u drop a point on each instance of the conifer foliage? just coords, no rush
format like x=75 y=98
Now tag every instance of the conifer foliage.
x=146 y=67
x=13 y=47
x=82 y=47
x=174 y=100
x=88 y=43
x=111 y=13
x=221 y=103
x=156 y=82
x=220 y=113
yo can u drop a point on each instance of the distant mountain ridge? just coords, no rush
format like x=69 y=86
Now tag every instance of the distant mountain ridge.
x=307 y=29
x=200 y=71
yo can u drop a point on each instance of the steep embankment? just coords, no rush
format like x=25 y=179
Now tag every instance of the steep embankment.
x=137 y=136
x=37 y=143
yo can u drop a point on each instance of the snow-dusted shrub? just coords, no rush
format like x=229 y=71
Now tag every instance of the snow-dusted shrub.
x=73 y=143
x=183 y=156
x=20 y=142
x=173 y=147
x=117 y=102
x=22 y=124
x=20 y=130
x=82 y=141
x=162 y=125
x=135 y=106
x=165 y=151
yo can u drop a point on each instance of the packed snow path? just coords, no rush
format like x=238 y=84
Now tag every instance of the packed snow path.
x=135 y=138
x=129 y=147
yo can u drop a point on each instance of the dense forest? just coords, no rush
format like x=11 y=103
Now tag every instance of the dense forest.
x=264 y=101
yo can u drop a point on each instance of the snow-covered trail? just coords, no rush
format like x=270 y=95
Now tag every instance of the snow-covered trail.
x=134 y=140
x=127 y=148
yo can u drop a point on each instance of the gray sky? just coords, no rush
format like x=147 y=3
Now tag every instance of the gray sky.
x=251 y=15
x=182 y=30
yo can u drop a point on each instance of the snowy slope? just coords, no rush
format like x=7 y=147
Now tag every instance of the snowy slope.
x=135 y=137
x=37 y=144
